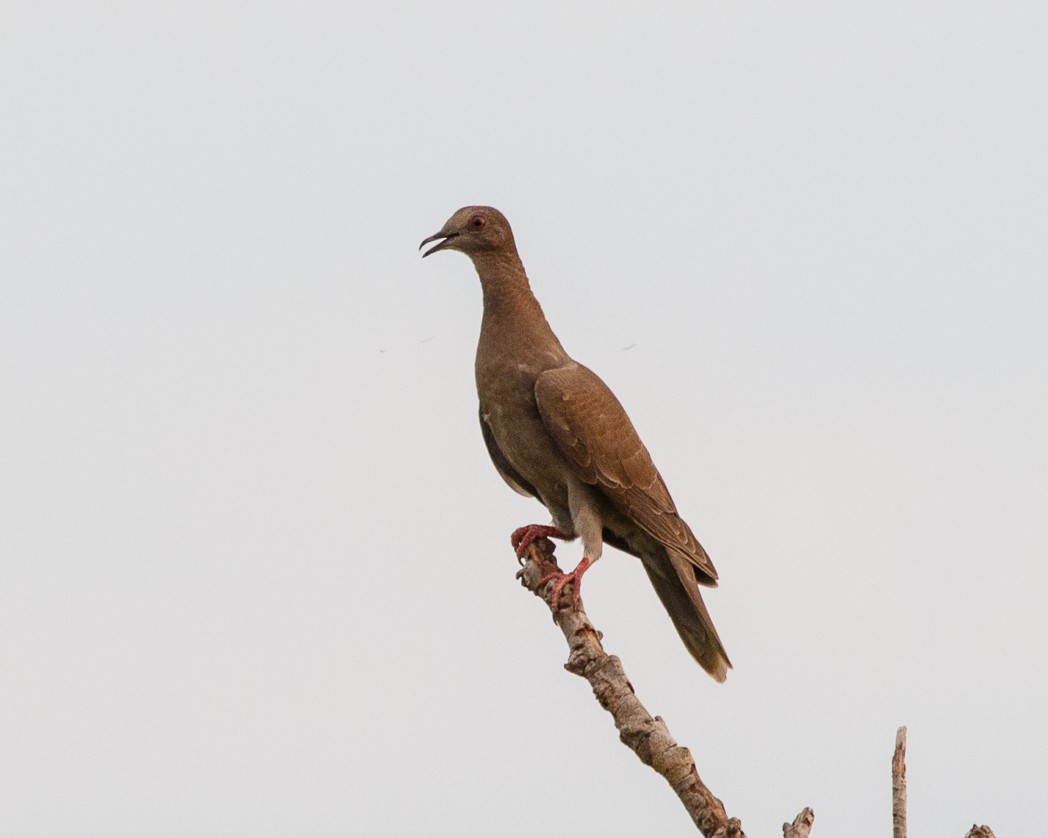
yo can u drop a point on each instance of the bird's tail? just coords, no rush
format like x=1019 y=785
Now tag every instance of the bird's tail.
x=674 y=581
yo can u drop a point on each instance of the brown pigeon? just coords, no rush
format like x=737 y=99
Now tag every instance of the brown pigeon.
x=557 y=433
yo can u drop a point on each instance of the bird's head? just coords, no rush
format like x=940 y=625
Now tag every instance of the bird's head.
x=473 y=231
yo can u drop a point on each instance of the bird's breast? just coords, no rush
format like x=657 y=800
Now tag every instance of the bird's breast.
x=516 y=427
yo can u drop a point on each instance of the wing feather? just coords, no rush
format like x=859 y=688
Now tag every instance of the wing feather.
x=592 y=430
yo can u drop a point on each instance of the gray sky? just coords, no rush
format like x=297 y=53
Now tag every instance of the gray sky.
x=255 y=567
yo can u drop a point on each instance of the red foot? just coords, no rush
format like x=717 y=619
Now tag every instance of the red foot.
x=563 y=579
x=525 y=535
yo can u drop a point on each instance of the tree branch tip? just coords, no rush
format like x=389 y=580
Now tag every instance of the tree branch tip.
x=801 y=825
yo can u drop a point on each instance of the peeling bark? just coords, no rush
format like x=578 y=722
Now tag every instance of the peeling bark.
x=646 y=735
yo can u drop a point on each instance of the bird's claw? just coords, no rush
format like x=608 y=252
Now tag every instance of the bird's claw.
x=523 y=536
x=562 y=579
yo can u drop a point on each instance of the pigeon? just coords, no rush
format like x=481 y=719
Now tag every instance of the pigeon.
x=557 y=433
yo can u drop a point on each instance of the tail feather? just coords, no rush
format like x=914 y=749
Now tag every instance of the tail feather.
x=675 y=582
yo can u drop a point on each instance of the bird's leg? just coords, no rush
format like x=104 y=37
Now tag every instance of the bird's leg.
x=575 y=577
x=522 y=537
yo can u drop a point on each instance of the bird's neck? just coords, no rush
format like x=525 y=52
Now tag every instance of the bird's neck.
x=512 y=315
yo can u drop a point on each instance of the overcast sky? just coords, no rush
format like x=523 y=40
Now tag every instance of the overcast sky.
x=255 y=576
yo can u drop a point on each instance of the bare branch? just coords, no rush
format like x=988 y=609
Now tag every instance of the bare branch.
x=647 y=736
x=801 y=825
x=899 y=785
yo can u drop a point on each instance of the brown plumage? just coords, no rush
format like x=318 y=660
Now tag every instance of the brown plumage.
x=556 y=432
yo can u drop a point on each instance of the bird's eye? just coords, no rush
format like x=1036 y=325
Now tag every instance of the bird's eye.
x=477 y=222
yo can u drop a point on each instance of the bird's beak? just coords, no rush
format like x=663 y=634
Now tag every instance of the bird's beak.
x=447 y=239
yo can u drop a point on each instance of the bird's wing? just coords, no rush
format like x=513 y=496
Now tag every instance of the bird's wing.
x=593 y=432
x=502 y=464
